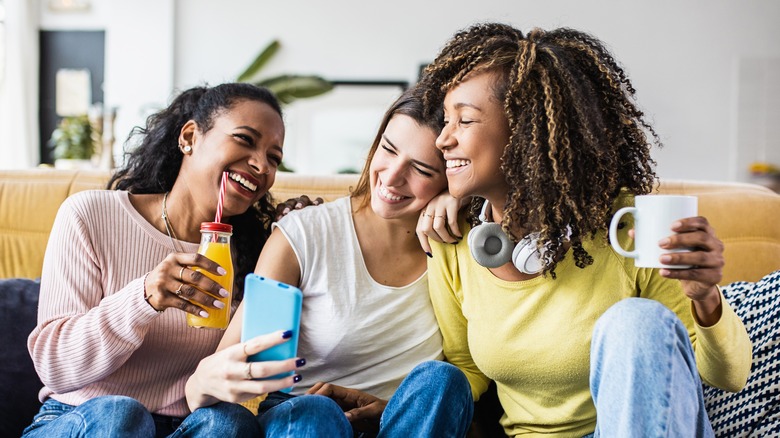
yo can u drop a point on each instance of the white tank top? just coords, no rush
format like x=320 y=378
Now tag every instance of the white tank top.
x=355 y=332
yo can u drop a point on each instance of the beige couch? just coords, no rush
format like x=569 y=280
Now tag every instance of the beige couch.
x=744 y=215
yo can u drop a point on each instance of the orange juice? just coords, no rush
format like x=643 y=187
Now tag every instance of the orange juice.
x=215 y=244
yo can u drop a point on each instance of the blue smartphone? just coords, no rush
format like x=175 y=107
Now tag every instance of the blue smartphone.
x=270 y=305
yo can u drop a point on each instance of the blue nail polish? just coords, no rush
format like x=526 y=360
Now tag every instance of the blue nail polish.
x=287 y=334
x=300 y=362
x=429 y=254
x=297 y=378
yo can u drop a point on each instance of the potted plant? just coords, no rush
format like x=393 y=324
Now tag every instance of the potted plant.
x=73 y=143
x=287 y=87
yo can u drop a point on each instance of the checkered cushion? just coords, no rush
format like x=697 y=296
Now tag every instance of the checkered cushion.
x=754 y=411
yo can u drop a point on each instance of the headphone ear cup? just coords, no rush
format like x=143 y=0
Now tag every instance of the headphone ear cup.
x=489 y=245
x=526 y=256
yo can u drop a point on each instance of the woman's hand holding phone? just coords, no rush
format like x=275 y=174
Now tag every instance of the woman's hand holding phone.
x=227 y=376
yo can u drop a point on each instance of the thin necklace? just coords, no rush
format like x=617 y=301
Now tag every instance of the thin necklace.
x=169 y=227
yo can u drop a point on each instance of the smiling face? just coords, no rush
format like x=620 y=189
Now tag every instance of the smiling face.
x=246 y=141
x=406 y=171
x=475 y=134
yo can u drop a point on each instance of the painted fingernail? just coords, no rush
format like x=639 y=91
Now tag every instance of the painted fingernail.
x=287 y=334
x=298 y=205
x=219 y=304
x=297 y=378
x=221 y=271
x=300 y=362
x=286 y=210
x=223 y=293
x=430 y=256
x=203 y=314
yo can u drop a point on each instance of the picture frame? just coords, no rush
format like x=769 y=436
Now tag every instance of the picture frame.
x=332 y=133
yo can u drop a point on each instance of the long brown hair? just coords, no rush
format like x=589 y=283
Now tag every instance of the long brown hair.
x=577 y=135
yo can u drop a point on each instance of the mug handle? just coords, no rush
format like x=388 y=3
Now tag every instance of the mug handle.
x=613 y=238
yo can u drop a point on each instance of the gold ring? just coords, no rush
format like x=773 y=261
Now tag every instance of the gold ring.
x=178 y=291
x=437 y=216
x=249 y=371
x=181 y=273
x=426 y=215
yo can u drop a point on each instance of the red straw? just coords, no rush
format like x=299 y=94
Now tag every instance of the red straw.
x=218 y=217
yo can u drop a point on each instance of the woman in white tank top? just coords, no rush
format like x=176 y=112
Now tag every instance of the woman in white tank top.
x=369 y=338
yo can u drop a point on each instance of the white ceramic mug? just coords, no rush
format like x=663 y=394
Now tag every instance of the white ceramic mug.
x=653 y=219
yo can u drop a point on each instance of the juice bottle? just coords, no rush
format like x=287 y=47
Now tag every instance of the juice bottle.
x=215 y=244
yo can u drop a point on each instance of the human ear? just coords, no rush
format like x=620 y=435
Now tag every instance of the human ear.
x=188 y=134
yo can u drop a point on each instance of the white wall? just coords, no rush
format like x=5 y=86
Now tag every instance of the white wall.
x=139 y=54
x=682 y=55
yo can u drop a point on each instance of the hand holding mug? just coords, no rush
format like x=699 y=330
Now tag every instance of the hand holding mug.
x=653 y=219
x=705 y=257
x=671 y=236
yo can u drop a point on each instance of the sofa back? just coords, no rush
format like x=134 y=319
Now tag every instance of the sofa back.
x=744 y=215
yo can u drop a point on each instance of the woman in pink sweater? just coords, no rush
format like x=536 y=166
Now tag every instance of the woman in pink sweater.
x=112 y=346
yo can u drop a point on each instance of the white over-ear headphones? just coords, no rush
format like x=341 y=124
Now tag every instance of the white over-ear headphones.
x=491 y=247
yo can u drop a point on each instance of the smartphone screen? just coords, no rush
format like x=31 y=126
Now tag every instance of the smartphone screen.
x=270 y=305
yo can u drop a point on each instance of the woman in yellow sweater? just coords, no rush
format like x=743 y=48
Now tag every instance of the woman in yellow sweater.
x=543 y=131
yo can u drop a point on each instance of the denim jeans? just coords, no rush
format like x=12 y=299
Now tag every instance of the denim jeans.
x=643 y=375
x=119 y=416
x=434 y=400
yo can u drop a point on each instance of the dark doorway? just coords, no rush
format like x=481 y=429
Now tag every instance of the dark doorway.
x=72 y=50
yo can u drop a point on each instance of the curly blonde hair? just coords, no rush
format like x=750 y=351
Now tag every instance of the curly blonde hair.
x=577 y=136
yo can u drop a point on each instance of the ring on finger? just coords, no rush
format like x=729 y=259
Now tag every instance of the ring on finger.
x=181 y=273
x=249 y=371
x=178 y=291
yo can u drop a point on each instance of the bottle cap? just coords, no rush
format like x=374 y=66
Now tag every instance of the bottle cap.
x=218 y=227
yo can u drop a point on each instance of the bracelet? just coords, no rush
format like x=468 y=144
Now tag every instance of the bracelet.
x=147 y=296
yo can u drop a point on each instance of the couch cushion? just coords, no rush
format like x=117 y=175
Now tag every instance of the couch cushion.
x=18 y=381
x=755 y=410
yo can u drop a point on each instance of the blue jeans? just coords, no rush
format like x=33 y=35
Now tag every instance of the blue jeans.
x=433 y=400
x=643 y=375
x=120 y=416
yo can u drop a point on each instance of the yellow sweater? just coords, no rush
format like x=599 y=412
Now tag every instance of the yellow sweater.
x=533 y=337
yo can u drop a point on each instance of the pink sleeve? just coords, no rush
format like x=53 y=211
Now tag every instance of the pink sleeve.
x=84 y=332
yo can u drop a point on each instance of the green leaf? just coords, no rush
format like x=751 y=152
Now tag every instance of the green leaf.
x=288 y=88
x=261 y=59
x=73 y=138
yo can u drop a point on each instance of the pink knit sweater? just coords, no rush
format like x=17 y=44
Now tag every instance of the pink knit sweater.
x=96 y=335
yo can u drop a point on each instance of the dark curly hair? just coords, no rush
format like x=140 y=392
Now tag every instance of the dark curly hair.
x=153 y=165
x=409 y=103
x=577 y=136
